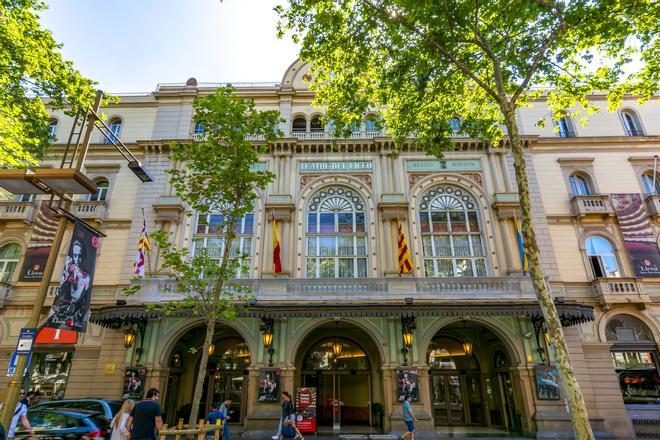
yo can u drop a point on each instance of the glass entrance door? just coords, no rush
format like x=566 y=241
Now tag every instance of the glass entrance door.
x=457 y=399
x=229 y=385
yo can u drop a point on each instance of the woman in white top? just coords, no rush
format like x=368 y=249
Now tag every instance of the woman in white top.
x=118 y=425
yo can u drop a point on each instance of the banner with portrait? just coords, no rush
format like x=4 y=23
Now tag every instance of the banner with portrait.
x=408 y=384
x=269 y=385
x=41 y=240
x=134 y=380
x=70 y=307
x=638 y=234
x=306 y=409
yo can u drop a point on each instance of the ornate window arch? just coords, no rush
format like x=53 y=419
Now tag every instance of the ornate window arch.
x=627 y=328
x=10 y=253
x=52 y=128
x=580 y=184
x=452 y=243
x=210 y=231
x=101 y=193
x=631 y=123
x=336 y=238
x=115 y=126
x=602 y=257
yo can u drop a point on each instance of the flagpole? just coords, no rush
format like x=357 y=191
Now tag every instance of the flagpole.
x=144 y=221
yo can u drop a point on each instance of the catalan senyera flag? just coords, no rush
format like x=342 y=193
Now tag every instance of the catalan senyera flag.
x=142 y=250
x=521 y=248
x=277 y=260
x=405 y=262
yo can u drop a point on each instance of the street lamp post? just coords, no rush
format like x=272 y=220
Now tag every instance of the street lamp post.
x=15 y=384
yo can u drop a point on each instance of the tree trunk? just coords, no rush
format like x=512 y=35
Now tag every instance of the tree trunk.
x=568 y=382
x=201 y=375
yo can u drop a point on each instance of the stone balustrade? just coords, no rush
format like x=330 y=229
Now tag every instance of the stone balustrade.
x=17 y=211
x=611 y=291
x=90 y=210
x=594 y=207
x=653 y=206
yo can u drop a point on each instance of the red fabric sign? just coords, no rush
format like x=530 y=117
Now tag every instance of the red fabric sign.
x=49 y=335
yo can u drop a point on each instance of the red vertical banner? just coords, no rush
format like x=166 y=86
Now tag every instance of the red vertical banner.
x=306 y=409
x=43 y=233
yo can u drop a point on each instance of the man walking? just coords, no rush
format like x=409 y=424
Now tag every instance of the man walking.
x=213 y=417
x=145 y=420
x=224 y=409
x=409 y=418
x=20 y=413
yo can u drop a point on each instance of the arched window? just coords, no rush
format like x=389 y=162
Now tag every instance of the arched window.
x=336 y=234
x=210 y=231
x=579 y=185
x=199 y=128
x=451 y=234
x=113 y=133
x=455 y=124
x=602 y=257
x=335 y=354
x=371 y=123
x=631 y=124
x=101 y=191
x=651 y=184
x=299 y=125
x=626 y=328
x=565 y=127
x=316 y=125
x=52 y=128
x=9 y=256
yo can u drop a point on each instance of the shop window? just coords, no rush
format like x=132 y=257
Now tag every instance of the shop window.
x=580 y=185
x=49 y=373
x=631 y=123
x=210 y=232
x=52 y=128
x=316 y=125
x=448 y=354
x=565 y=127
x=299 y=125
x=10 y=253
x=635 y=359
x=601 y=257
x=452 y=243
x=336 y=236
x=101 y=191
x=115 y=129
x=651 y=183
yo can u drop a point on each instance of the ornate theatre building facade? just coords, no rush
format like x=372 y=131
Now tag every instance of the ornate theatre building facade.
x=462 y=333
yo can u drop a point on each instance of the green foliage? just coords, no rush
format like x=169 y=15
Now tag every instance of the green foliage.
x=429 y=61
x=30 y=64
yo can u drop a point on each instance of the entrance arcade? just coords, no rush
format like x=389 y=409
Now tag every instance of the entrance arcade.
x=470 y=380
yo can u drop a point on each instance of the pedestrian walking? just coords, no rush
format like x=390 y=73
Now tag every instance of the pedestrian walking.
x=20 y=414
x=118 y=424
x=288 y=413
x=212 y=418
x=224 y=409
x=409 y=418
x=145 y=419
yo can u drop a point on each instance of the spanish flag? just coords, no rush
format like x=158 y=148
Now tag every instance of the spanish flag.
x=405 y=263
x=277 y=261
x=521 y=248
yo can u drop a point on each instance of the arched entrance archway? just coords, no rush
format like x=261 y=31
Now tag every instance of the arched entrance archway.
x=226 y=375
x=343 y=364
x=470 y=379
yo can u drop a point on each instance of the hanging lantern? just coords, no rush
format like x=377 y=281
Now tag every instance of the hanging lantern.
x=129 y=336
x=336 y=347
x=467 y=346
x=211 y=349
x=407 y=337
x=267 y=337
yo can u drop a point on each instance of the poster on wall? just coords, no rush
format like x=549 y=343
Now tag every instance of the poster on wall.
x=637 y=234
x=269 y=385
x=408 y=384
x=134 y=380
x=306 y=409
x=70 y=308
x=43 y=233
x=547 y=382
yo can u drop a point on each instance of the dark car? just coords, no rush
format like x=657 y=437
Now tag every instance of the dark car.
x=106 y=407
x=65 y=424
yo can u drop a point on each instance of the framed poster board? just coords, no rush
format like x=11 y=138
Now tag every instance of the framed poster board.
x=408 y=383
x=269 y=385
x=134 y=380
x=306 y=409
x=547 y=382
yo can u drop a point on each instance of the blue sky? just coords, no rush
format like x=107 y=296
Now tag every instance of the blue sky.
x=131 y=45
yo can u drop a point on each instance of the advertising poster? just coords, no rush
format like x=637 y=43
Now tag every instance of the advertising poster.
x=134 y=380
x=408 y=383
x=70 y=308
x=637 y=234
x=306 y=409
x=269 y=385
x=547 y=382
x=43 y=233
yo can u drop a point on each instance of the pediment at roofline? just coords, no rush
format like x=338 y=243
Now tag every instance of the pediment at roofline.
x=297 y=76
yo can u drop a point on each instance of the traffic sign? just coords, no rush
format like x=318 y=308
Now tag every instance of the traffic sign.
x=25 y=341
x=12 y=364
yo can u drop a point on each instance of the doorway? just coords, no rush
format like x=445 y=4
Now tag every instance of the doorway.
x=457 y=399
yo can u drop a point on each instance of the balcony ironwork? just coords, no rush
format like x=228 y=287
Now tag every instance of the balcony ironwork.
x=17 y=211
x=592 y=208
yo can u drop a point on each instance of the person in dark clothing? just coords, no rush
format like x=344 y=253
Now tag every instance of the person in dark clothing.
x=213 y=416
x=288 y=413
x=145 y=420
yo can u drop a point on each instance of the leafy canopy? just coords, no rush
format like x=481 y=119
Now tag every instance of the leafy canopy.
x=31 y=65
x=428 y=61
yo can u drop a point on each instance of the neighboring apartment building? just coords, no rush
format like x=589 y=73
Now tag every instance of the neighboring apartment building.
x=339 y=314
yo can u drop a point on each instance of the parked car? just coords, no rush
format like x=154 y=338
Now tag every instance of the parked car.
x=108 y=408
x=65 y=424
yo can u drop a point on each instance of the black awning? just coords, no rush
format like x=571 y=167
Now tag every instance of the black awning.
x=569 y=313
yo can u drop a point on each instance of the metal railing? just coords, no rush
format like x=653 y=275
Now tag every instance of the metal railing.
x=238 y=85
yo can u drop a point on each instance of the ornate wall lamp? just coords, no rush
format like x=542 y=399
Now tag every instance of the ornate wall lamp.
x=408 y=327
x=467 y=346
x=131 y=331
x=542 y=339
x=267 y=337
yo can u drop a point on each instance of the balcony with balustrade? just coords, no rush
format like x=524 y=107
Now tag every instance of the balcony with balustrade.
x=92 y=211
x=17 y=211
x=611 y=291
x=592 y=208
x=653 y=206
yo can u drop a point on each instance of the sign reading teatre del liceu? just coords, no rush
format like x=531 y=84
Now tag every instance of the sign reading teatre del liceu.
x=315 y=167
